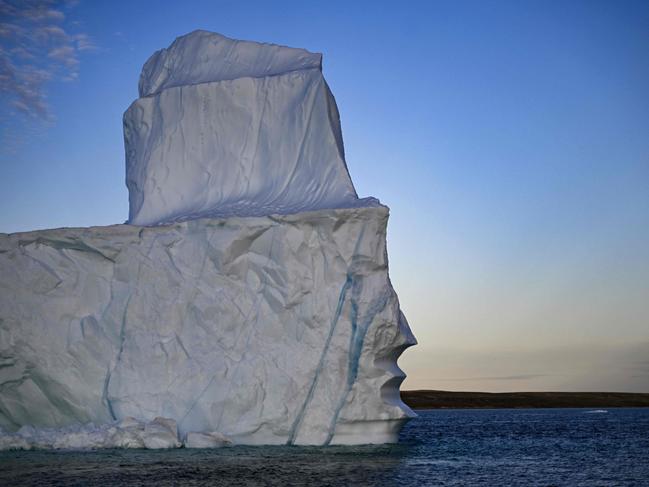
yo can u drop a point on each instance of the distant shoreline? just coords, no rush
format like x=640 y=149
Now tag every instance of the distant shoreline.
x=431 y=399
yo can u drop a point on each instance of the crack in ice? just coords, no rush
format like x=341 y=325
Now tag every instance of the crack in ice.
x=300 y=416
x=109 y=374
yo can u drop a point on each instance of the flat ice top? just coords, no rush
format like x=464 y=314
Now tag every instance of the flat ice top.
x=203 y=56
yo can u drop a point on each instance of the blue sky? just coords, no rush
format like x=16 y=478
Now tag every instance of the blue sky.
x=510 y=140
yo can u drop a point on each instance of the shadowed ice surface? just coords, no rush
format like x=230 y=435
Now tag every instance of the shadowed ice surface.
x=445 y=447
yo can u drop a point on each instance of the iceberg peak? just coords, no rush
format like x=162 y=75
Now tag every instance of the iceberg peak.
x=233 y=128
x=202 y=56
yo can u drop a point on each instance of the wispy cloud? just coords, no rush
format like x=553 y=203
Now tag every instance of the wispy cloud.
x=503 y=377
x=35 y=48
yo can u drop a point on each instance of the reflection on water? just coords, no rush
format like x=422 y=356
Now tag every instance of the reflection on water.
x=448 y=447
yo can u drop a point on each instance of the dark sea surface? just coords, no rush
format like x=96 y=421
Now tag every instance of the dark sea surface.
x=496 y=447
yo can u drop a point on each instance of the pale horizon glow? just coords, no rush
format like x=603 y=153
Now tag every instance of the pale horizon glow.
x=509 y=139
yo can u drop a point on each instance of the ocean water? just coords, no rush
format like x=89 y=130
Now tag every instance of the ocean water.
x=497 y=447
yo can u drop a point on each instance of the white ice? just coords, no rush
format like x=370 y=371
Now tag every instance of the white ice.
x=233 y=128
x=269 y=330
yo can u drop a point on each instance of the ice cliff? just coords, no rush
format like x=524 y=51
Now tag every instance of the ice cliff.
x=225 y=127
x=248 y=299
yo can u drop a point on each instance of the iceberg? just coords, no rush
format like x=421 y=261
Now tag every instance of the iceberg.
x=247 y=299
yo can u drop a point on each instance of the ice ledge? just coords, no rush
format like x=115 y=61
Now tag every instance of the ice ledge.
x=161 y=433
x=215 y=218
x=202 y=56
x=247 y=210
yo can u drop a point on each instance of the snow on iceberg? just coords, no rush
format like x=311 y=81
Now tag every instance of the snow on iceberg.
x=254 y=306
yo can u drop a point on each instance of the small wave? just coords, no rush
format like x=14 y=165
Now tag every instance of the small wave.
x=596 y=411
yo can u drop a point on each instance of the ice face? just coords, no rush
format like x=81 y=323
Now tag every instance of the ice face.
x=247 y=147
x=233 y=128
x=265 y=329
